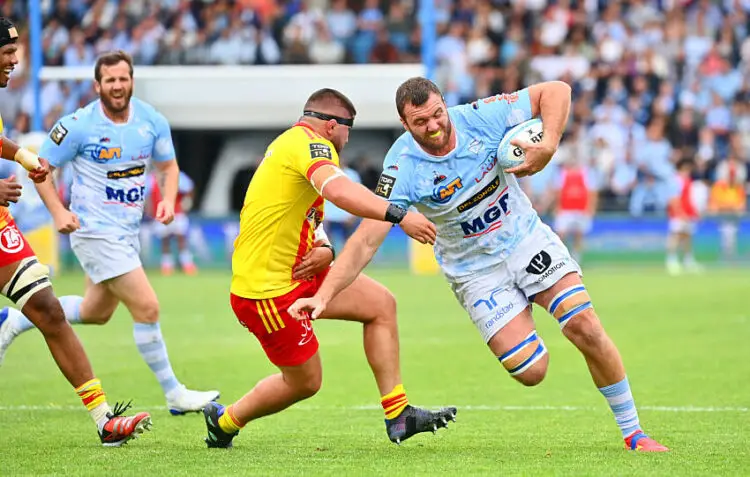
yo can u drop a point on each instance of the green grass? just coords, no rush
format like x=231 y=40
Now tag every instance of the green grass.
x=683 y=340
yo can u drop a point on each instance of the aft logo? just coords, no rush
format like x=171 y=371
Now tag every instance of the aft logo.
x=127 y=197
x=442 y=194
x=490 y=220
x=103 y=154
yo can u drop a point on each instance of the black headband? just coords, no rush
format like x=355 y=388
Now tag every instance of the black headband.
x=328 y=117
x=8 y=32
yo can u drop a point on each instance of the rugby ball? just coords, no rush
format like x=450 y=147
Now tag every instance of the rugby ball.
x=509 y=155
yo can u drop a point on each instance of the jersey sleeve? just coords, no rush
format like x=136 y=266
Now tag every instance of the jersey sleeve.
x=308 y=156
x=163 y=147
x=62 y=143
x=393 y=184
x=504 y=110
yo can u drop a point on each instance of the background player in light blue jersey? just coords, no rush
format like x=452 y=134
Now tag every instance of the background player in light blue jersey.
x=495 y=252
x=109 y=143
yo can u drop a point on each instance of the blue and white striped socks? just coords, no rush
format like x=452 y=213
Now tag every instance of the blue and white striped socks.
x=621 y=402
x=154 y=352
x=71 y=305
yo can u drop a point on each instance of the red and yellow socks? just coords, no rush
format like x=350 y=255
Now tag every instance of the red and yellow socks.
x=394 y=402
x=228 y=422
x=93 y=397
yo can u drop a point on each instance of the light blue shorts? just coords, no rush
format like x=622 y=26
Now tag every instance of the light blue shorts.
x=105 y=258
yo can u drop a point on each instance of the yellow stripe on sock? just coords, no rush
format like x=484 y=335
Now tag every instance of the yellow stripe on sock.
x=262 y=318
x=394 y=402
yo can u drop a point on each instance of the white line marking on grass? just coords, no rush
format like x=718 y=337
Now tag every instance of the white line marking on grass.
x=369 y=407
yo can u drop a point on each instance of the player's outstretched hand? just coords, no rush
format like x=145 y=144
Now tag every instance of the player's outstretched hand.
x=314 y=262
x=419 y=227
x=10 y=191
x=307 y=308
x=66 y=222
x=537 y=158
x=165 y=212
x=39 y=174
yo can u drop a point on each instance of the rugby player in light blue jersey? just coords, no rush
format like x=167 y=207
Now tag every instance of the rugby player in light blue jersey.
x=110 y=143
x=497 y=255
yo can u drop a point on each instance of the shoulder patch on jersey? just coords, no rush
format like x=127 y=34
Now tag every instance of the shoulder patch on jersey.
x=385 y=185
x=58 y=133
x=318 y=150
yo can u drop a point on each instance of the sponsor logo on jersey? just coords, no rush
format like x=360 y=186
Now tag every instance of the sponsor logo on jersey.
x=480 y=196
x=132 y=172
x=11 y=240
x=490 y=219
x=102 y=154
x=58 y=133
x=443 y=193
x=318 y=151
x=126 y=196
x=385 y=186
x=487 y=166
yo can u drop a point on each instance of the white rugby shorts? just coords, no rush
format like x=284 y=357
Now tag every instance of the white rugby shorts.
x=105 y=258
x=179 y=226
x=495 y=297
x=572 y=221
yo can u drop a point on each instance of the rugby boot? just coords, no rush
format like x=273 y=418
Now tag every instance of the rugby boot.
x=640 y=442
x=120 y=429
x=414 y=420
x=216 y=438
x=182 y=400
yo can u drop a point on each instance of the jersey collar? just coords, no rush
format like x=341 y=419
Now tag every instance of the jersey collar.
x=131 y=109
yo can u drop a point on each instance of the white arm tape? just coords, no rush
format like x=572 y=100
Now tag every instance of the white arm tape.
x=337 y=173
x=320 y=235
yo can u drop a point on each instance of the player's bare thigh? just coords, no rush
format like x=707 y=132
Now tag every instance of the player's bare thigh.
x=99 y=303
x=135 y=291
x=583 y=326
x=365 y=300
x=510 y=336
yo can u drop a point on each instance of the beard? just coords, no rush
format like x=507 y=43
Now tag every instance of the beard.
x=431 y=145
x=109 y=102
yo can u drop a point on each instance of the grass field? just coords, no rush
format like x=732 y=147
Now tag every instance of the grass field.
x=682 y=340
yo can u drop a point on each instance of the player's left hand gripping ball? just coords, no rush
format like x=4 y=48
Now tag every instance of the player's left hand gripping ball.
x=537 y=156
x=39 y=174
x=165 y=212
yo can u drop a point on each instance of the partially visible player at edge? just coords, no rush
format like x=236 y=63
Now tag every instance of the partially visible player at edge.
x=493 y=249
x=109 y=143
x=26 y=283
x=282 y=254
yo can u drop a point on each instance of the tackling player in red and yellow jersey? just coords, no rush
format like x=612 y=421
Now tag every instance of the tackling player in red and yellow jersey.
x=282 y=254
x=25 y=282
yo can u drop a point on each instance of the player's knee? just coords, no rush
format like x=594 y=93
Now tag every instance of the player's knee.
x=44 y=310
x=148 y=312
x=585 y=330
x=535 y=374
x=309 y=385
x=527 y=361
x=386 y=309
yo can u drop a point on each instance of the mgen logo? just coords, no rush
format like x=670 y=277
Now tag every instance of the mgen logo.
x=442 y=194
x=132 y=172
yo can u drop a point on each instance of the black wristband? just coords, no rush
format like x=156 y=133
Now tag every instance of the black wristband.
x=333 y=251
x=394 y=214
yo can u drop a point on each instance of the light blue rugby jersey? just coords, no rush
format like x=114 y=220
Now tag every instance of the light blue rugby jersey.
x=481 y=213
x=109 y=164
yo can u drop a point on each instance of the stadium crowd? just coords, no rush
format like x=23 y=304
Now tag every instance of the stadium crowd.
x=654 y=81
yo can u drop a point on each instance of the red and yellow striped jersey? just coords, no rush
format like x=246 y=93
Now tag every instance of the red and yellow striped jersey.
x=280 y=214
x=5 y=216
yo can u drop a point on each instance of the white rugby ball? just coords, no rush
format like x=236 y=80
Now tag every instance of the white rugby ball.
x=509 y=155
